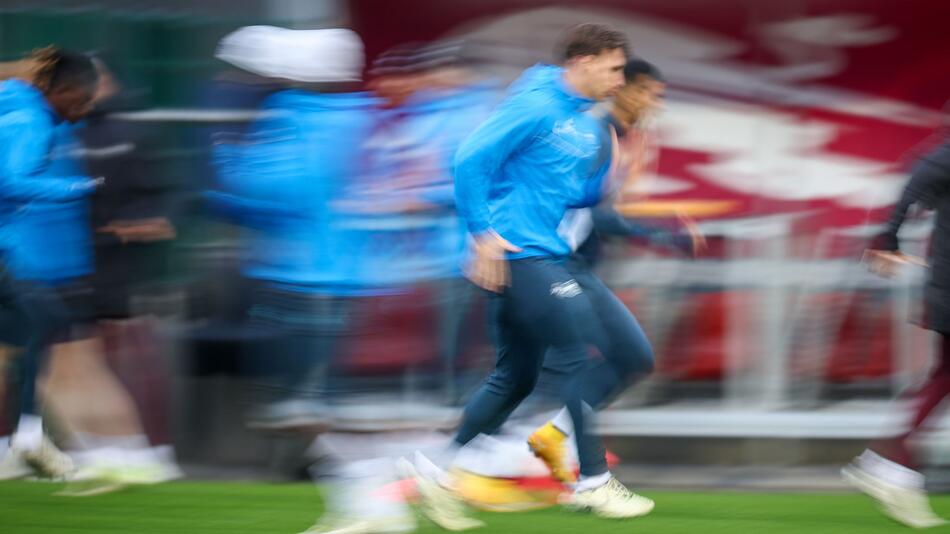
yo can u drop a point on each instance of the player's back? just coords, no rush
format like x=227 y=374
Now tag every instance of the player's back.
x=297 y=159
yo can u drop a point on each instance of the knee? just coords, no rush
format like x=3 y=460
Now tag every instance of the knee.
x=513 y=387
x=637 y=361
x=524 y=386
x=647 y=361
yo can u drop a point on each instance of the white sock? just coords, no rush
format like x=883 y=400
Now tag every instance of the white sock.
x=165 y=454
x=562 y=421
x=133 y=442
x=366 y=469
x=84 y=441
x=107 y=455
x=588 y=483
x=95 y=441
x=891 y=471
x=4 y=445
x=442 y=456
x=29 y=433
x=429 y=469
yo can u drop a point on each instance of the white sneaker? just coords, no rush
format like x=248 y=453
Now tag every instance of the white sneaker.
x=47 y=460
x=94 y=478
x=438 y=502
x=905 y=505
x=12 y=466
x=165 y=456
x=90 y=487
x=343 y=525
x=109 y=470
x=146 y=466
x=612 y=500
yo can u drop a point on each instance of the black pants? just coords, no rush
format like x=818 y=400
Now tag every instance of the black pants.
x=298 y=333
x=543 y=315
x=33 y=316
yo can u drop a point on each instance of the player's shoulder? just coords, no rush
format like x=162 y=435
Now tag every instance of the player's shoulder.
x=537 y=104
x=27 y=118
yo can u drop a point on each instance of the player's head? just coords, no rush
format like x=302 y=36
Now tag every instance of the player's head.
x=641 y=93
x=594 y=56
x=67 y=79
x=395 y=77
x=444 y=64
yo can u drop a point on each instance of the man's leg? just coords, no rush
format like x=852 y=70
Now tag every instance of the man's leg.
x=13 y=333
x=625 y=355
x=596 y=490
x=46 y=317
x=454 y=300
x=924 y=401
x=517 y=364
x=528 y=317
x=304 y=331
x=43 y=316
x=886 y=471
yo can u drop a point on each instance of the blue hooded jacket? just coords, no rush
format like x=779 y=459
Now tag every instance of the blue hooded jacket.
x=537 y=155
x=44 y=224
x=283 y=180
x=409 y=158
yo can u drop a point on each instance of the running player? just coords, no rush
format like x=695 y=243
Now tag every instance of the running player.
x=625 y=352
x=887 y=470
x=537 y=156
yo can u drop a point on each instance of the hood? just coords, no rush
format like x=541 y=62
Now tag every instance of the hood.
x=549 y=80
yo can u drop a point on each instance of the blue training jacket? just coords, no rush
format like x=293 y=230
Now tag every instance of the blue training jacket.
x=283 y=180
x=536 y=156
x=409 y=158
x=44 y=223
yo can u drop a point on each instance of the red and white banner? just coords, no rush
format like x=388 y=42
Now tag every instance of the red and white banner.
x=808 y=107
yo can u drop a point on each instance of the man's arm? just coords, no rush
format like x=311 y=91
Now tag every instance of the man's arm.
x=30 y=138
x=929 y=180
x=482 y=155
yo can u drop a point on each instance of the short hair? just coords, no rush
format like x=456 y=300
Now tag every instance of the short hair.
x=592 y=40
x=414 y=58
x=73 y=70
x=395 y=61
x=639 y=67
x=62 y=69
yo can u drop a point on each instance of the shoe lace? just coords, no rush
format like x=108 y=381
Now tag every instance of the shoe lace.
x=619 y=490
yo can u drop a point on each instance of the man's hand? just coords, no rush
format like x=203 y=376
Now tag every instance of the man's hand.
x=692 y=229
x=141 y=230
x=488 y=268
x=886 y=263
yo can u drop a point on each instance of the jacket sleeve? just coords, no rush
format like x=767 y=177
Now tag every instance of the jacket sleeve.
x=254 y=172
x=482 y=155
x=30 y=136
x=929 y=180
x=245 y=211
x=596 y=188
x=608 y=221
x=442 y=195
